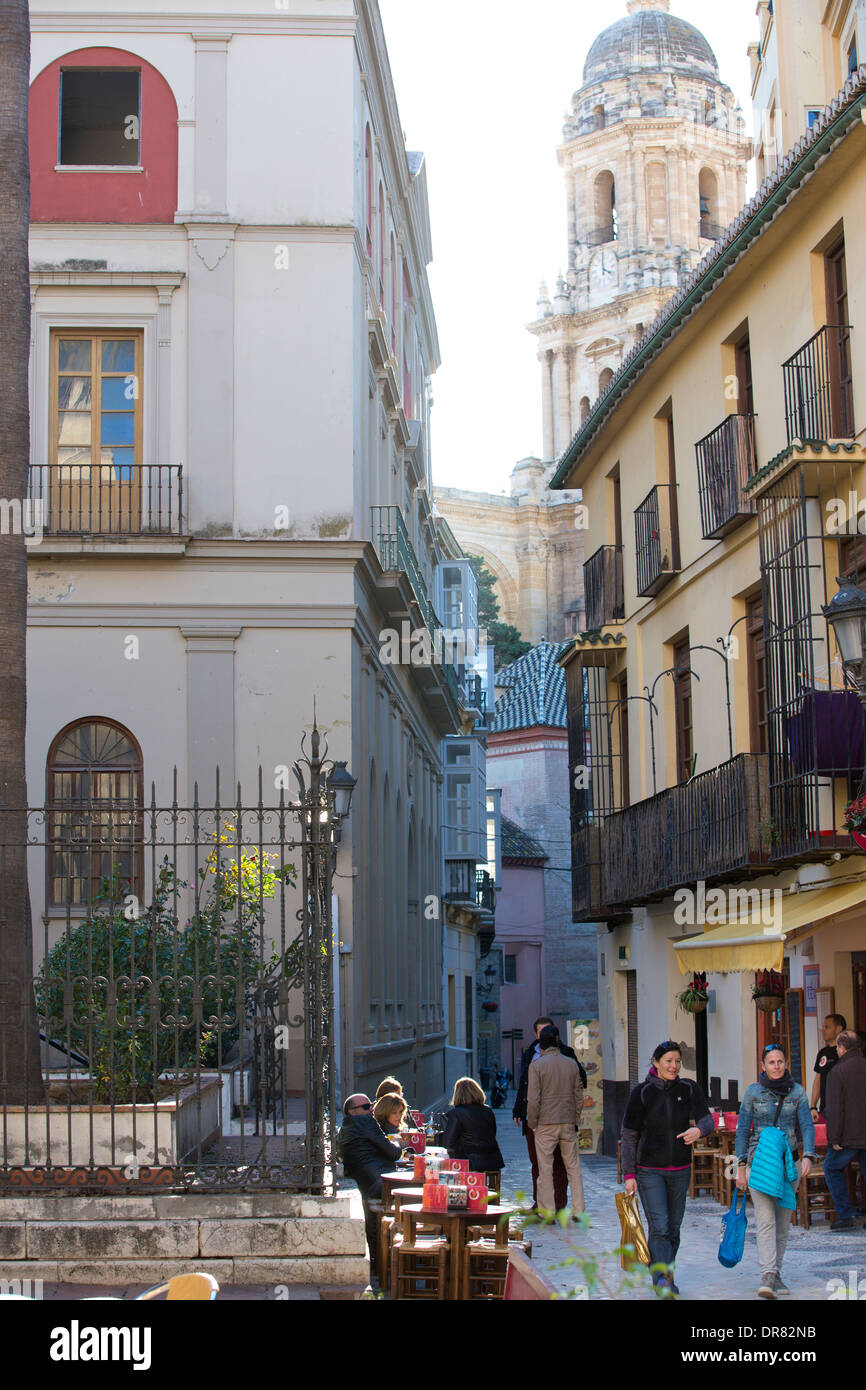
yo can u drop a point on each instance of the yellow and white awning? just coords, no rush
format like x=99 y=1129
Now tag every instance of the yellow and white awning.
x=742 y=945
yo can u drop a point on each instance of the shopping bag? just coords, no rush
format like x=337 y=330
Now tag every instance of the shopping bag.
x=733 y=1232
x=632 y=1230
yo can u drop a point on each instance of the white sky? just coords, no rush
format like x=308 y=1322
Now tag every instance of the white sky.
x=483 y=86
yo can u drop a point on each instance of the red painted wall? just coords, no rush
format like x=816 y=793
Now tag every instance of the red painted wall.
x=85 y=196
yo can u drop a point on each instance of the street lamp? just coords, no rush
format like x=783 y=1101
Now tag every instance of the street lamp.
x=341 y=784
x=846 y=615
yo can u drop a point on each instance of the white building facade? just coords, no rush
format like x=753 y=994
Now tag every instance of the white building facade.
x=232 y=341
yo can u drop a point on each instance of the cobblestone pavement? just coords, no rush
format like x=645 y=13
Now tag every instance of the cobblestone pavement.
x=813 y=1260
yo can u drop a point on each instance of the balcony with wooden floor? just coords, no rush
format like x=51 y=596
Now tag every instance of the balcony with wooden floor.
x=709 y=828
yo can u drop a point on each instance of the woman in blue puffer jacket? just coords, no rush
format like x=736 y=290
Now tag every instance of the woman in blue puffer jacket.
x=777 y=1104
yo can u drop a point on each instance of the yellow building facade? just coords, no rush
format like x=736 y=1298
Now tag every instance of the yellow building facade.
x=714 y=741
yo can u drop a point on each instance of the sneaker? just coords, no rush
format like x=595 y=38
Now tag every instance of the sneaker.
x=768 y=1286
x=674 y=1289
x=781 y=1287
x=844 y=1223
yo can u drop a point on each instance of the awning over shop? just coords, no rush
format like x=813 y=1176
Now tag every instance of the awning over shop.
x=746 y=946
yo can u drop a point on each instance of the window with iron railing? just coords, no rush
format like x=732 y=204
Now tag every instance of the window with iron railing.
x=656 y=540
x=818 y=387
x=726 y=461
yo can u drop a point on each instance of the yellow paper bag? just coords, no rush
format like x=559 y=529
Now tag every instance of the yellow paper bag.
x=632 y=1230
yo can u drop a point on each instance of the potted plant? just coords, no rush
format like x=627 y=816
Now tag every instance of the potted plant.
x=855 y=820
x=694 y=999
x=769 y=991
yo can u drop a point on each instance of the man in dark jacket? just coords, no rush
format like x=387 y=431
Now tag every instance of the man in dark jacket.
x=363 y=1147
x=846 y=1126
x=560 y=1176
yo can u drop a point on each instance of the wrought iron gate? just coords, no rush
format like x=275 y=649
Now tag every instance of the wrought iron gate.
x=177 y=1029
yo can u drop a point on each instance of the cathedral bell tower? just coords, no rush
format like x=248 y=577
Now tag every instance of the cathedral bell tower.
x=654 y=156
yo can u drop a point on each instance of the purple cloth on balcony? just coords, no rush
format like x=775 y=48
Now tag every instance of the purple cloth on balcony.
x=825 y=736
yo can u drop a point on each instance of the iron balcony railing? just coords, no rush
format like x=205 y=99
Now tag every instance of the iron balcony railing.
x=476 y=696
x=397 y=554
x=656 y=539
x=83 y=499
x=705 y=829
x=818 y=396
x=717 y=826
x=485 y=892
x=603 y=587
x=726 y=462
x=711 y=231
x=600 y=236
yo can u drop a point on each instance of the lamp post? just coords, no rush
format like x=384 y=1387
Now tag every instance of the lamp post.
x=846 y=616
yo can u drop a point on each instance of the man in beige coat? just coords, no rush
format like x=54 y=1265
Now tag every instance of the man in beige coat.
x=553 y=1108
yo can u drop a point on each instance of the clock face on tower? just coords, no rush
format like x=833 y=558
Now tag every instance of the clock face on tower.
x=603 y=270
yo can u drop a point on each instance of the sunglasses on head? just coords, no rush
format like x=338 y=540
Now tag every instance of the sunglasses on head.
x=365 y=1106
x=771 y=1047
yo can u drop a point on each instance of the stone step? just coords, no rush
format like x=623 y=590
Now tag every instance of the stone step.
x=177 y=1206
x=244 y=1237
x=325 y=1272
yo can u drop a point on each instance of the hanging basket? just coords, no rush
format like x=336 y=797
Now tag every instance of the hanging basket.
x=769 y=1003
x=693 y=1006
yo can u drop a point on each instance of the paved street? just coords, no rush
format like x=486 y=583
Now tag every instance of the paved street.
x=813 y=1258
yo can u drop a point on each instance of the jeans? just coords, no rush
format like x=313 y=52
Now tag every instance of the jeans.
x=663 y=1197
x=547 y=1139
x=835 y=1163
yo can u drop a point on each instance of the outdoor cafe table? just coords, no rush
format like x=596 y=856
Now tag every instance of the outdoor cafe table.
x=455 y=1224
x=399 y=1177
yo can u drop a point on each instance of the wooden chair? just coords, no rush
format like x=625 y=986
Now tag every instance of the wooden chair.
x=419 y=1260
x=813 y=1199
x=702 y=1171
x=493 y=1181
x=485 y=1261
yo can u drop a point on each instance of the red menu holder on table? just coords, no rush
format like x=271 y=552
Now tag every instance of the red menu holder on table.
x=435 y=1197
x=419 y=1167
x=477 y=1198
x=456 y=1165
x=416 y=1140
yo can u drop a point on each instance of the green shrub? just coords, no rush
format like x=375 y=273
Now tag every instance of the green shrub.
x=140 y=995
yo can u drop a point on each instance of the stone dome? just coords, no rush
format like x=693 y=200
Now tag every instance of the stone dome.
x=649 y=39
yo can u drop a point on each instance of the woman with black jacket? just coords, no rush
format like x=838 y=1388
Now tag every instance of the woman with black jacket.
x=470 y=1130
x=665 y=1115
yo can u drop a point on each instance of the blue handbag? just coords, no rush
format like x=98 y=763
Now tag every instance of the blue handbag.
x=733 y=1232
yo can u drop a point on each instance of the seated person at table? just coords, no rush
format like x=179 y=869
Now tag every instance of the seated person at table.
x=390 y=1111
x=389 y=1087
x=470 y=1130
x=364 y=1150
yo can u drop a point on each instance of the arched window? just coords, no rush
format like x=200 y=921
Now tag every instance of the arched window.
x=368 y=187
x=94 y=822
x=709 y=199
x=604 y=380
x=584 y=410
x=605 y=207
x=599 y=117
